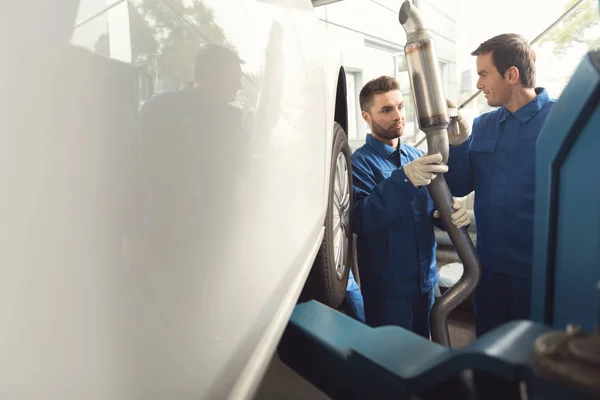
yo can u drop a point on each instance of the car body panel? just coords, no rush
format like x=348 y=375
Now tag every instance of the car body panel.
x=143 y=267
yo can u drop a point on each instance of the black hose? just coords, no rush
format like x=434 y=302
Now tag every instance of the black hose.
x=437 y=142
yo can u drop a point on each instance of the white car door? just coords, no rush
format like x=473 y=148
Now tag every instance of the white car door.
x=160 y=254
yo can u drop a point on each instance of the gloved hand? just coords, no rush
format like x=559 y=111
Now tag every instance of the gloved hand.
x=458 y=130
x=423 y=170
x=460 y=217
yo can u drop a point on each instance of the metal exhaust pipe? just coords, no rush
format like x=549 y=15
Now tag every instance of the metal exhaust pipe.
x=434 y=118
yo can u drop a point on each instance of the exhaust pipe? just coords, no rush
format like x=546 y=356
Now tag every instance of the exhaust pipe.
x=434 y=119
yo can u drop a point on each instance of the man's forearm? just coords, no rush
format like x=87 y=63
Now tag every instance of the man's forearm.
x=377 y=209
x=459 y=175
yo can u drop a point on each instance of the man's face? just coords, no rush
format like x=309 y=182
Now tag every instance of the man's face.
x=232 y=81
x=494 y=86
x=386 y=116
x=223 y=84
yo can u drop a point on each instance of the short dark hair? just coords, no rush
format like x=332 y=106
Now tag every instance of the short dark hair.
x=211 y=58
x=380 y=85
x=511 y=50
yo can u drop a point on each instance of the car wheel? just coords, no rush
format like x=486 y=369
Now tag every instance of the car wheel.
x=328 y=277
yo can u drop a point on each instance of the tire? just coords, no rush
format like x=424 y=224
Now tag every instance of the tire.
x=328 y=278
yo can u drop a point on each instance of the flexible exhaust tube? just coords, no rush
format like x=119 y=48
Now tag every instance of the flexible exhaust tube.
x=434 y=119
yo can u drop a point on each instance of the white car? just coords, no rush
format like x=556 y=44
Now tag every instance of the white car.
x=156 y=232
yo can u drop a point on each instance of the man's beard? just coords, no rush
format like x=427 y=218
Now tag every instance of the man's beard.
x=387 y=133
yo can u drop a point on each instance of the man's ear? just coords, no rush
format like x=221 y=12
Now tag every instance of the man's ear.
x=512 y=75
x=366 y=116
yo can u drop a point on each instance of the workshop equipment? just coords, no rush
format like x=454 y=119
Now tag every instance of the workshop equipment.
x=433 y=117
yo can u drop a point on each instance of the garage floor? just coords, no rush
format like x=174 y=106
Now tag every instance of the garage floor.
x=281 y=382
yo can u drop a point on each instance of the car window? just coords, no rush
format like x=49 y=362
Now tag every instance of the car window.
x=163 y=37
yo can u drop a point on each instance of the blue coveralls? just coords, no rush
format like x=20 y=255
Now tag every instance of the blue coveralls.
x=498 y=163
x=395 y=239
x=353 y=300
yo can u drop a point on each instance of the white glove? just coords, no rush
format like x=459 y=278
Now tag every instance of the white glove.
x=458 y=130
x=460 y=217
x=424 y=169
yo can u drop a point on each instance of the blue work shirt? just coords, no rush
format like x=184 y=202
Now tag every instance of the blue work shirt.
x=498 y=163
x=393 y=222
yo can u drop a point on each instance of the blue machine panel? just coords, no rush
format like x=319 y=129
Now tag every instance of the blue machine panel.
x=567 y=222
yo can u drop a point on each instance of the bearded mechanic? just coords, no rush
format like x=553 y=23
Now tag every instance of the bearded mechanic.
x=394 y=215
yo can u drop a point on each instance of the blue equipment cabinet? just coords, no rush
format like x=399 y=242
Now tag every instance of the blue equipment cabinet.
x=349 y=360
x=567 y=236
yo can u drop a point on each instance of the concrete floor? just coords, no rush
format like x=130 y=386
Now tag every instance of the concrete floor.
x=281 y=382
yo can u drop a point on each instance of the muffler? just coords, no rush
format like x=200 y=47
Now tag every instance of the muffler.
x=434 y=119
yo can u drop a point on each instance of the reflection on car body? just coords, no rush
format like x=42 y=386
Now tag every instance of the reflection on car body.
x=176 y=229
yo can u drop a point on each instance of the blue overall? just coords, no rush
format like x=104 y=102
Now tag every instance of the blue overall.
x=395 y=239
x=353 y=300
x=498 y=163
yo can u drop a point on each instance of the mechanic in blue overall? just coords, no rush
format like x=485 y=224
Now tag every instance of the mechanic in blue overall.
x=394 y=215
x=497 y=161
